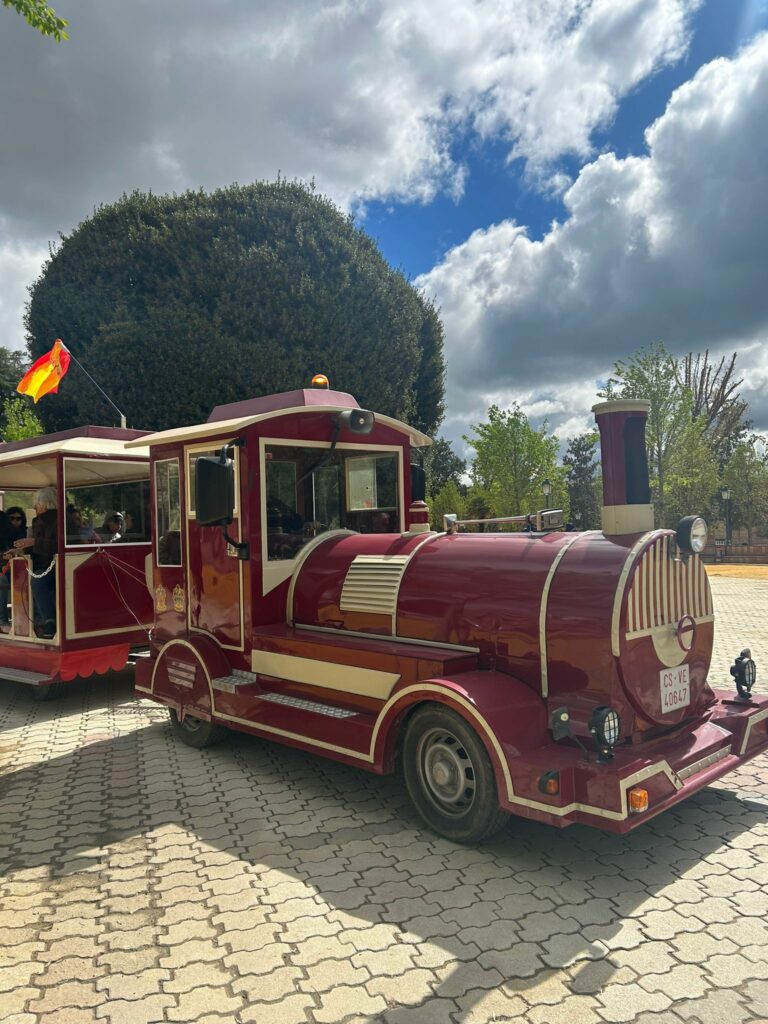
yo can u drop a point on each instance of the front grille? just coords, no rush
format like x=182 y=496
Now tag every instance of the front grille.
x=665 y=589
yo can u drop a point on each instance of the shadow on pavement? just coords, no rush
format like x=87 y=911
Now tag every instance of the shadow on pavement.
x=531 y=902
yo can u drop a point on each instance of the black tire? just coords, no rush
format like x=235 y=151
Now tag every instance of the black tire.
x=449 y=776
x=51 y=691
x=196 y=732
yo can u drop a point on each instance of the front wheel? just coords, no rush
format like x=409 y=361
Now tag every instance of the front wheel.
x=196 y=732
x=450 y=778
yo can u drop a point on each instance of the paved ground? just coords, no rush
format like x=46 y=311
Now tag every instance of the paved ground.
x=144 y=881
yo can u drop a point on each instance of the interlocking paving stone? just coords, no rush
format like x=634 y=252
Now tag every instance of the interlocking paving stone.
x=252 y=884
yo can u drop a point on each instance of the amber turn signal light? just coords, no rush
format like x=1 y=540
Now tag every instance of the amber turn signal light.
x=638 y=800
x=549 y=783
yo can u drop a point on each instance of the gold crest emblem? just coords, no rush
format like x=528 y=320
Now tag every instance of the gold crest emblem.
x=161 y=599
x=178 y=598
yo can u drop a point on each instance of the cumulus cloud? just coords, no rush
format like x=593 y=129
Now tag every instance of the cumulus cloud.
x=19 y=266
x=666 y=246
x=368 y=98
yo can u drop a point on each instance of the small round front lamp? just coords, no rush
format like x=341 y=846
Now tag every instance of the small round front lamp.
x=744 y=672
x=692 y=535
x=605 y=726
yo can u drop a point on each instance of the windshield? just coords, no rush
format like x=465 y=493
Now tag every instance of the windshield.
x=308 y=493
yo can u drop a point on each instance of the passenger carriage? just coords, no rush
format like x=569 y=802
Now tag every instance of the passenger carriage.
x=300 y=596
x=103 y=603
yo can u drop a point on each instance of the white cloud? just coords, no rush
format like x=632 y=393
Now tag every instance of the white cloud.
x=669 y=246
x=19 y=266
x=367 y=97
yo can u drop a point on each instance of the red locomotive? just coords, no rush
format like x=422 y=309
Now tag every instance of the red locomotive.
x=300 y=596
x=92 y=575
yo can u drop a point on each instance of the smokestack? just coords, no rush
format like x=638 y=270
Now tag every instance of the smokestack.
x=627 y=504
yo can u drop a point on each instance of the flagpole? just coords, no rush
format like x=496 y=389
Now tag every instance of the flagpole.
x=95 y=384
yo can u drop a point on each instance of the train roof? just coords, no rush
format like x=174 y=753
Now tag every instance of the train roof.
x=28 y=464
x=233 y=418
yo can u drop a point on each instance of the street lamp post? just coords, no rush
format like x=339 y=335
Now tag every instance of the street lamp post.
x=725 y=494
x=546 y=488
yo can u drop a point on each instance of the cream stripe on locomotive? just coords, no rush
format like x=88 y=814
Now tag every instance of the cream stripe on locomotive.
x=665 y=589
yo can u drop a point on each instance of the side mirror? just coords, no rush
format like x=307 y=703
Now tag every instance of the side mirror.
x=418 y=483
x=215 y=490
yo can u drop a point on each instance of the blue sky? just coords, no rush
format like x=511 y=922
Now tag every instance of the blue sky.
x=569 y=180
x=415 y=237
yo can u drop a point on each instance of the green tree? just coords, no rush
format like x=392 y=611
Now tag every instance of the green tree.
x=19 y=420
x=39 y=15
x=178 y=303
x=747 y=477
x=442 y=466
x=582 y=478
x=715 y=400
x=511 y=462
x=653 y=374
x=692 y=475
x=448 y=499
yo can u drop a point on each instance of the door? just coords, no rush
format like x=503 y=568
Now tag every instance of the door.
x=214 y=572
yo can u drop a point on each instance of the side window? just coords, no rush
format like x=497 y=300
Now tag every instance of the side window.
x=372 y=505
x=107 y=502
x=168 y=512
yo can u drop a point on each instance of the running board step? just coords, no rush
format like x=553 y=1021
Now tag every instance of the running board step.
x=237 y=680
x=23 y=675
x=308 y=705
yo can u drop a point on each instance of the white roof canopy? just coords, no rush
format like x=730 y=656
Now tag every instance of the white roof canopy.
x=26 y=469
x=234 y=426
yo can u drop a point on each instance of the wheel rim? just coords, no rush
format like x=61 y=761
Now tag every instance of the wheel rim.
x=192 y=724
x=446 y=772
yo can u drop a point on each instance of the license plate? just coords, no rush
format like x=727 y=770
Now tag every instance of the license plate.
x=675 y=686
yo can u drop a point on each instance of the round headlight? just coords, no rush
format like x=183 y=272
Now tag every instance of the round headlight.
x=750 y=673
x=605 y=725
x=692 y=534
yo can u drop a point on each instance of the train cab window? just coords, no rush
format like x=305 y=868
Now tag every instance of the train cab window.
x=309 y=492
x=168 y=512
x=107 y=502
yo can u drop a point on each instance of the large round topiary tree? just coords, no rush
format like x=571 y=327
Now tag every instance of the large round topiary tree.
x=179 y=303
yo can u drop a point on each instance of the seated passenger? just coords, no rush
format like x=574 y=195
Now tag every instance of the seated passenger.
x=78 y=532
x=112 y=530
x=281 y=518
x=382 y=523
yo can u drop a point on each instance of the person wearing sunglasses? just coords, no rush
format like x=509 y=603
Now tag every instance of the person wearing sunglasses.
x=13 y=527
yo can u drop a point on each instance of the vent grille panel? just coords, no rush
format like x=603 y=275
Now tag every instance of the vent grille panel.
x=373 y=583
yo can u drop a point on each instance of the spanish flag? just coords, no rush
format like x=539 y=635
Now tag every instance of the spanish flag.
x=44 y=376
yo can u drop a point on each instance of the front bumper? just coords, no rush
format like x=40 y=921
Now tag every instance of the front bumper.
x=670 y=768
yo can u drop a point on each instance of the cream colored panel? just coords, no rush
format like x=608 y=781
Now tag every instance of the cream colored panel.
x=365 y=682
x=620 y=519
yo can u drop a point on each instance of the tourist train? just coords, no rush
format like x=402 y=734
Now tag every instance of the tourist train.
x=281 y=578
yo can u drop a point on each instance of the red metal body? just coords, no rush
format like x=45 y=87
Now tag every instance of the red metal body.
x=103 y=604
x=331 y=642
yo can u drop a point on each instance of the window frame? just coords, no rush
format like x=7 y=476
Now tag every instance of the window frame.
x=276 y=570
x=92 y=544
x=180 y=563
